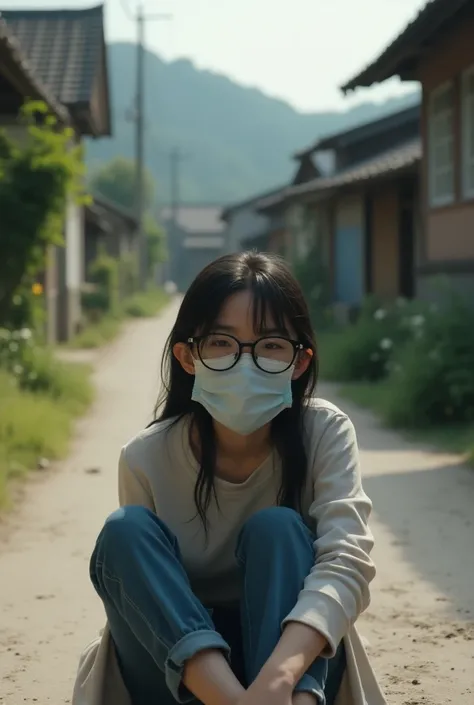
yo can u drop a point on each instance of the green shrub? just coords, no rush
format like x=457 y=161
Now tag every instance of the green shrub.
x=313 y=277
x=432 y=379
x=104 y=273
x=35 y=369
x=94 y=302
x=364 y=350
x=129 y=275
x=26 y=310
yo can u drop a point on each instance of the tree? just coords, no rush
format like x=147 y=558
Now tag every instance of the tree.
x=37 y=177
x=116 y=181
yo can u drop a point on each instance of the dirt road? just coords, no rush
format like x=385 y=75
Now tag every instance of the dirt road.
x=420 y=626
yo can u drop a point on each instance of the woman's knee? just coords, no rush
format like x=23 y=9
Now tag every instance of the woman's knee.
x=270 y=525
x=125 y=530
x=124 y=523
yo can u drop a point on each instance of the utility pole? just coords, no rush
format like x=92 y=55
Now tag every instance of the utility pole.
x=175 y=159
x=141 y=18
x=139 y=140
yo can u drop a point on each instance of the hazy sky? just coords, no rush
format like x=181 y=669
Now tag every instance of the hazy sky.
x=300 y=52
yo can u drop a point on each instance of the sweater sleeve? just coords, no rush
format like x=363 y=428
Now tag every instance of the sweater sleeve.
x=337 y=589
x=133 y=486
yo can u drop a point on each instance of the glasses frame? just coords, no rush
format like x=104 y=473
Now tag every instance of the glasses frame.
x=297 y=347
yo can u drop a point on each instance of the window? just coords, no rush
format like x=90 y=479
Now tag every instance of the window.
x=468 y=134
x=441 y=146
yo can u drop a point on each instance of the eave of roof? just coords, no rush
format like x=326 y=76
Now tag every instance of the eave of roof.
x=65 y=48
x=246 y=203
x=40 y=91
x=106 y=204
x=407 y=46
x=389 y=163
x=364 y=130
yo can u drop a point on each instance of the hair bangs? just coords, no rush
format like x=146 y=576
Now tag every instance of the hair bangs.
x=271 y=310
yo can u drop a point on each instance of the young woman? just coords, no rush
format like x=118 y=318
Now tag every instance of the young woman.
x=238 y=563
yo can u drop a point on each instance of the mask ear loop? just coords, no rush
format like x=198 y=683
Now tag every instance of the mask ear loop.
x=304 y=351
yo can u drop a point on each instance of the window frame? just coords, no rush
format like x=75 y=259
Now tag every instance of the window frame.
x=437 y=201
x=467 y=134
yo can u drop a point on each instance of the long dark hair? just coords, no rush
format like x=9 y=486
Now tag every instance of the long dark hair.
x=276 y=295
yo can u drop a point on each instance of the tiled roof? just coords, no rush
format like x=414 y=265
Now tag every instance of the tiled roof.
x=405 y=48
x=354 y=134
x=197 y=219
x=32 y=84
x=247 y=203
x=63 y=48
x=394 y=160
x=102 y=205
x=391 y=162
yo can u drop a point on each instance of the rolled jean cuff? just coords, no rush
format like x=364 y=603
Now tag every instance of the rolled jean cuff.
x=308 y=684
x=185 y=649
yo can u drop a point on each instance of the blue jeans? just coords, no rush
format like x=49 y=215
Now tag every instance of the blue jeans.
x=157 y=622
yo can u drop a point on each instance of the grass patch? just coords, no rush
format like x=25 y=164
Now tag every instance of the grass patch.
x=456 y=438
x=146 y=304
x=97 y=334
x=36 y=425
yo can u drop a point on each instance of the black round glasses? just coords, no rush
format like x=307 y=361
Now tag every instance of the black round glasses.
x=221 y=352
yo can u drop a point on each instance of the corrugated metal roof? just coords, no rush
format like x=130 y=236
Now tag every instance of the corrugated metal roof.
x=432 y=18
x=33 y=83
x=63 y=47
x=196 y=219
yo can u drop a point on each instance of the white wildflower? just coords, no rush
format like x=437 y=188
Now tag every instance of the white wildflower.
x=17 y=370
x=13 y=347
x=25 y=334
x=380 y=314
x=386 y=344
x=417 y=321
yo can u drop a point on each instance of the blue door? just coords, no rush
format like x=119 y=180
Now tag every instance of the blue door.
x=349 y=265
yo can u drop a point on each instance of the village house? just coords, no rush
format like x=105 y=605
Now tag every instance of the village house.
x=195 y=236
x=361 y=222
x=247 y=228
x=65 y=52
x=111 y=229
x=437 y=50
x=18 y=82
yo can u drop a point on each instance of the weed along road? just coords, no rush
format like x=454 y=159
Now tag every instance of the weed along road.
x=420 y=626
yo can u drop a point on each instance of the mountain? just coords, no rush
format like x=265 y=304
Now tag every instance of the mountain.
x=236 y=141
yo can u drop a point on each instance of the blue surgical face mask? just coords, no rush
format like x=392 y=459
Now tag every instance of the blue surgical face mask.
x=243 y=398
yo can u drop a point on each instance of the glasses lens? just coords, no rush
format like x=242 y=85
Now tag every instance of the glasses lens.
x=274 y=354
x=218 y=352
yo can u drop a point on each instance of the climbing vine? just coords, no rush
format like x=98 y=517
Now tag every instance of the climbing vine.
x=38 y=174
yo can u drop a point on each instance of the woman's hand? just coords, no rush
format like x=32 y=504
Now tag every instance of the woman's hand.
x=276 y=691
x=298 y=647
